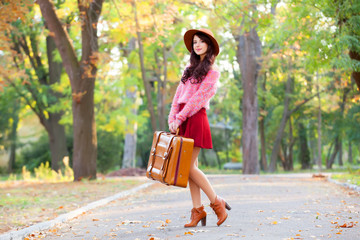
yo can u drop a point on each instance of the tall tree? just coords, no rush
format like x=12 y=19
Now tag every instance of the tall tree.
x=248 y=53
x=37 y=92
x=82 y=75
x=35 y=88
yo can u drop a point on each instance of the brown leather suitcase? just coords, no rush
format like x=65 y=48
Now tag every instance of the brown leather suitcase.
x=170 y=159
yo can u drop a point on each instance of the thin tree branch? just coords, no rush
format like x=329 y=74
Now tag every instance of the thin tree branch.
x=305 y=101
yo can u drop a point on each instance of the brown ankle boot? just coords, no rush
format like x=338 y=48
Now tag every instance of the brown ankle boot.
x=197 y=214
x=219 y=208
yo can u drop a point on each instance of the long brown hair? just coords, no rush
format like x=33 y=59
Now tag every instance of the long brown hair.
x=198 y=69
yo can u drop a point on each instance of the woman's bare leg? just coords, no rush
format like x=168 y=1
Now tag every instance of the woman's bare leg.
x=194 y=188
x=198 y=180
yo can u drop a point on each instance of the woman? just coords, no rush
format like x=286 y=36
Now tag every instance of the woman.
x=188 y=113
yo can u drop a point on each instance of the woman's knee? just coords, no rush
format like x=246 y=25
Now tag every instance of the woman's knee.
x=193 y=170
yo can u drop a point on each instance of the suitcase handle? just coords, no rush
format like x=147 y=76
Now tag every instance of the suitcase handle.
x=166 y=156
x=166 y=159
x=165 y=164
x=153 y=154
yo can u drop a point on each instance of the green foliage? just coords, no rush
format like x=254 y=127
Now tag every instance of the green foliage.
x=233 y=154
x=144 y=141
x=110 y=151
x=304 y=154
x=44 y=173
x=36 y=153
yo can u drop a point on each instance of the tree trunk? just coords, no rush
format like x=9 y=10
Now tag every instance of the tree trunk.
x=319 y=160
x=203 y=156
x=161 y=94
x=340 y=156
x=290 y=158
x=82 y=78
x=143 y=72
x=129 y=156
x=282 y=157
x=13 y=136
x=130 y=136
x=313 y=151
x=56 y=131
x=217 y=157
x=248 y=53
x=342 y=109
x=350 y=156
x=304 y=153
x=333 y=155
x=284 y=119
x=263 y=160
x=329 y=152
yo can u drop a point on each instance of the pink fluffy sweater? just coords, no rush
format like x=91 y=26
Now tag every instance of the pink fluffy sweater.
x=195 y=96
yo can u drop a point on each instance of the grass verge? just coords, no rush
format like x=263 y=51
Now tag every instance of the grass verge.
x=23 y=203
x=351 y=178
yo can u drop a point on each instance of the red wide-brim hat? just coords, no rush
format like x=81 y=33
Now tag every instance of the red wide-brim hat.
x=189 y=35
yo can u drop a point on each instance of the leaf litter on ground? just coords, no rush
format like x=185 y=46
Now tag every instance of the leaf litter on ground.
x=28 y=203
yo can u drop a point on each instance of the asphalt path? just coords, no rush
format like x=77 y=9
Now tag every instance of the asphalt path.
x=294 y=206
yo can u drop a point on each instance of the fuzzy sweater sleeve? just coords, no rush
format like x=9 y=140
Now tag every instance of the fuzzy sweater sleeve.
x=205 y=92
x=175 y=105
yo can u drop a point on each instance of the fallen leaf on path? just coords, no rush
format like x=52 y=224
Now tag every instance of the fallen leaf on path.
x=188 y=233
x=126 y=222
x=318 y=175
x=168 y=221
x=200 y=230
x=348 y=225
x=274 y=222
x=146 y=226
x=95 y=219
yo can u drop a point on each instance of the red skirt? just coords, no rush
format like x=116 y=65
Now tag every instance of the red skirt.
x=197 y=127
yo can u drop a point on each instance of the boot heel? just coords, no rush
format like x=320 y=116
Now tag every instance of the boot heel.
x=203 y=221
x=227 y=206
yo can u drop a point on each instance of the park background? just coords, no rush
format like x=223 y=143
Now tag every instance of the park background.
x=288 y=97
